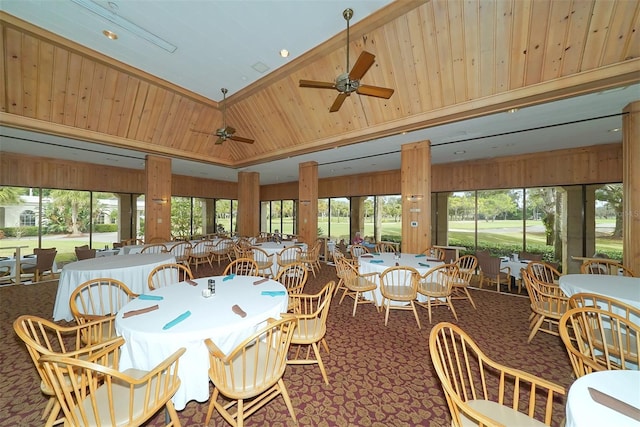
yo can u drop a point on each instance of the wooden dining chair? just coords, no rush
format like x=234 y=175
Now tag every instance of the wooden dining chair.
x=43 y=337
x=222 y=250
x=154 y=248
x=436 y=253
x=357 y=250
x=598 y=340
x=293 y=277
x=242 y=267
x=604 y=266
x=356 y=283
x=548 y=305
x=101 y=395
x=399 y=284
x=85 y=253
x=168 y=274
x=544 y=272
x=201 y=253
x=492 y=272
x=467 y=267
x=181 y=252
x=288 y=255
x=436 y=285
x=311 y=312
x=311 y=257
x=43 y=267
x=482 y=392
x=264 y=261
x=250 y=376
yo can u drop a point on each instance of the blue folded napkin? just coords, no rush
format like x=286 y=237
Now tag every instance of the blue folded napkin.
x=229 y=277
x=150 y=297
x=376 y=261
x=420 y=255
x=273 y=293
x=423 y=264
x=375 y=253
x=177 y=320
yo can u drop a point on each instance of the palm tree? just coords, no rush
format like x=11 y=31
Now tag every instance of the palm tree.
x=75 y=200
x=9 y=196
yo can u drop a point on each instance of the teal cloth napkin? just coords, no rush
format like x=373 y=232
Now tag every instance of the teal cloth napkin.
x=229 y=277
x=376 y=261
x=273 y=293
x=423 y=264
x=420 y=255
x=150 y=297
x=375 y=253
x=177 y=320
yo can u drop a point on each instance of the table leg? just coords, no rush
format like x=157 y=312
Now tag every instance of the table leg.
x=17 y=273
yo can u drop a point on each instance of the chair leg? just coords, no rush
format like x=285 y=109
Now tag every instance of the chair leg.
x=535 y=328
x=473 y=304
x=415 y=313
x=453 y=310
x=212 y=404
x=287 y=400
x=316 y=350
x=173 y=415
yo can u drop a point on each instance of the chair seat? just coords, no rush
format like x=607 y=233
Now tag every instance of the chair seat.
x=121 y=401
x=551 y=310
x=308 y=331
x=242 y=382
x=361 y=284
x=503 y=414
x=433 y=289
x=401 y=293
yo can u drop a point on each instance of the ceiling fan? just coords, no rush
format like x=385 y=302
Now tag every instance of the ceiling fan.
x=350 y=82
x=226 y=132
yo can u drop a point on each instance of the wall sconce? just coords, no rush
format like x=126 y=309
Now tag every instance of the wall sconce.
x=160 y=201
x=414 y=197
x=305 y=202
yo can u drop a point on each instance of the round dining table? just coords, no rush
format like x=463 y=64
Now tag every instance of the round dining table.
x=379 y=262
x=182 y=316
x=622 y=288
x=132 y=270
x=273 y=248
x=584 y=407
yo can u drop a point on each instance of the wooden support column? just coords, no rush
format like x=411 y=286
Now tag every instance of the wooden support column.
x=356 y=217
x=415 y=186
x=248 y=217
x=308 y=201
x=631 y=186
x=157 y=200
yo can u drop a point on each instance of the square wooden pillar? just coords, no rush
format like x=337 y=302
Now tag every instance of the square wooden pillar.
x=631 y=186
x=248 y=217
x=157 y=200
x=415 y=186
x=308 y=201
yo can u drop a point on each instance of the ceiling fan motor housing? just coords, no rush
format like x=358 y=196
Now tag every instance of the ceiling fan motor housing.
x=345 y=85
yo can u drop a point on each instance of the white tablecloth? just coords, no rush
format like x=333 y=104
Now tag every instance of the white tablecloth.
x=583 y=411
x=514 y=266
x=625 y=289
x=420 y=263
x=147 y=344
x=132 y=270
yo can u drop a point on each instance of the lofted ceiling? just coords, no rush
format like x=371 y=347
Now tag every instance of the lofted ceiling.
x=456 y=67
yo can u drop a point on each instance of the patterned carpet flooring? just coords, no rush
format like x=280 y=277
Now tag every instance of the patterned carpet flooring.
x=379 y=376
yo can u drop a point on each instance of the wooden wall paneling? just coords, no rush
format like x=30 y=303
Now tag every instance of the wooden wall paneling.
x=420 y=84
x=158 y=186
x=436 y=95
x=140 y=124
x=308 y=201
x=597 y=34
x=95 y=102
x=189 y=186
x=558 y=21
x=631 y=186
x=518 y=58
x=128 y=104
x=248 y=203
x=117 y=107
x=619 y=38
x=487 y=36
x=633 y=46
x=13 y=66
x=155 y=111
x=108 y=101
x=457 y=42
x=576 y=35
x=443 y=46
x=30 y=59
x=472 y=48
x=539 y=26
x=503 y=33
x=84 y=94
x=71 y=91
x=181 y=125
x=282 y=191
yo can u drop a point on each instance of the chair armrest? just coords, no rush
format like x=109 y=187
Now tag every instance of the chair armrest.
x=369 y=274
x=214 y=350
x=506 y=270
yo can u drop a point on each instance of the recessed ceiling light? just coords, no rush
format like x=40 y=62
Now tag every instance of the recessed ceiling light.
x=459 y=152
x=284 y=53
x=614 y=130
x=110 y=35
x=512 y=110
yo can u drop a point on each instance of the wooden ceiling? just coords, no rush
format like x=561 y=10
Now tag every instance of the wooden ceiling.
x=446 y=59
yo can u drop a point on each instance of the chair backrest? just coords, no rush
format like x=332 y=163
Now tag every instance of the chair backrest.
x=101 y=395
x=202 y=248
x=99 y=298
x=85 y=253
x=242 y=267
x=242 y=251
x=545 y=298
x=490 y=266
x=605 y=303
x=438 y=281
x=293 y=277
x=261 y=256
x=288 y=255
x=399 y=283
x=605 y=266
x=388 y=247
x=43 y=337
x=466 y=373
x=598 y=340
x=543 y=272
x=529 y=256
x=467 y=265
x=45 y=258
x=357 y=250
x=255 y=364
x=168 y=274
x=155 y=248
x=437 y=253
x=181 y=250
x=312 y=312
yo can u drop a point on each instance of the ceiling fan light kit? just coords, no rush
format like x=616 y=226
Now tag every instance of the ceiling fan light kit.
x=226 y=132
x=349 y=82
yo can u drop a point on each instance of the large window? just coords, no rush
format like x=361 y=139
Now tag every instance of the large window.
x=608 y=220
x=278 y=215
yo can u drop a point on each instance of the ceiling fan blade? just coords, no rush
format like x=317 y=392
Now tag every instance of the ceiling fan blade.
x=362 y=65
x=318 y=85
x=338 y=102
x=229 y=131
x=241 y=139
x=379 y=92
x=220 y=140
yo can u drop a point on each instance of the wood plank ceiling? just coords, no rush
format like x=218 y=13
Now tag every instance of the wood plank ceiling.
x=446 y=59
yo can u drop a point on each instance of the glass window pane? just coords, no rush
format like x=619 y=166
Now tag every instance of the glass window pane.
x=288 y=217
x=541 y=218
x=66 y=219
x=323 y=218
x=18 y=206
x=462 y=220
x=497 y=232
x=339 y=214
x=223 y=215
x=389 y=212
x=181 y=218
x=265 y=215
x=609 y=216
x=104 y=230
